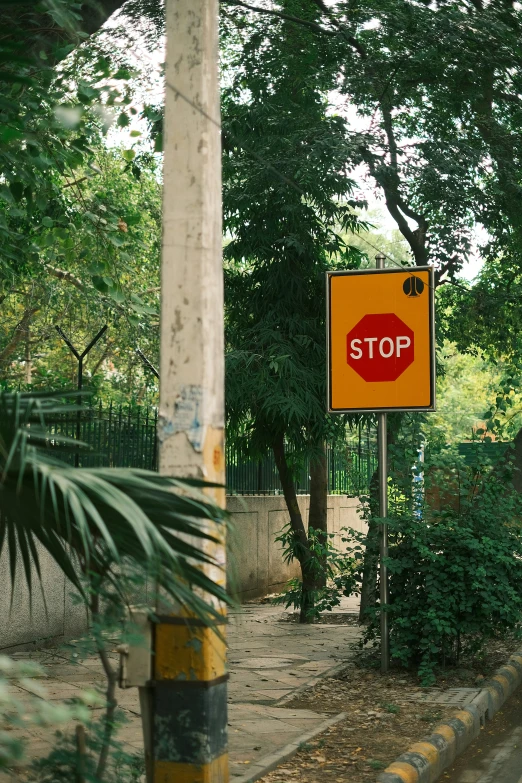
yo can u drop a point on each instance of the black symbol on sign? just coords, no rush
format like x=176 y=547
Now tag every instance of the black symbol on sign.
x=413 y=286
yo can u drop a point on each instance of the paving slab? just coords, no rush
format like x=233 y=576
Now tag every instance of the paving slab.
x=270 y=660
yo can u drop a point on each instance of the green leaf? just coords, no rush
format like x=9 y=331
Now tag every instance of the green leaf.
x=116 y=294
x=116 y=239
x=100 y=284
x=17 y=189
x=8 y=134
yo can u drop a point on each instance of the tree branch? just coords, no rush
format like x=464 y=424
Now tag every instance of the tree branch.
x=348 y=37
x=112 y=679
x=280 y=15
x=502 y=149
x=106 y=353
x=62 y=274
x=20 y=330
x=76 y=182
x=390 y=135
x=395 y=203
x=415 y=239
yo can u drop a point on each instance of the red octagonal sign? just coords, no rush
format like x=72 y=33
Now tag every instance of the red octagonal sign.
x=380 y=347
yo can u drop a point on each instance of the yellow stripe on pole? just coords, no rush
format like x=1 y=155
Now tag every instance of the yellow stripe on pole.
x=188 y=653
x=172 y=772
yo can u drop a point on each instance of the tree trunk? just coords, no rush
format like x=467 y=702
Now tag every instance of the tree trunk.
x=318 y=512
x=296 y=521
x=18 y=335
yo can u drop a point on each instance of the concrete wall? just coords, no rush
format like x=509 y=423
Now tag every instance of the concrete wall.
x=255 y=562
x=256 y=565
x=52 y=614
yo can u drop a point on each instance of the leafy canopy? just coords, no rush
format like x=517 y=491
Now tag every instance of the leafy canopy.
x=287 y=199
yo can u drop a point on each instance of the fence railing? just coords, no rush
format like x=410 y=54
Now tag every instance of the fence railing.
x=349 y=472
x=127 y=438
x=117 y=437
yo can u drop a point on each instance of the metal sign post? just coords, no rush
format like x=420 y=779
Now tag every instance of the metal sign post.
x=381 y=358
x=80 y=357
x=382 y=447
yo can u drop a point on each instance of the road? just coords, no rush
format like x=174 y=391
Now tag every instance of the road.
x=496 y=756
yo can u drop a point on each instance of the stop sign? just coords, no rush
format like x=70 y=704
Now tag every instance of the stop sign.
x=380 y=347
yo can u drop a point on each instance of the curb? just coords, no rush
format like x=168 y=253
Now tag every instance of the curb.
x=270 y=762
x=424 y=761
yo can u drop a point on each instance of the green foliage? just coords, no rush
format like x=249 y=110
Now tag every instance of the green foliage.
x=88 y=287
x=431 y=716
x=20 y=716
x=64 y=762
x=466 y=387
x=110 y=626
x=486 y=319
x=376 y=764
x=434 y=124
x=47 y=124
x=98 y=519
x=287 y=200
x=392 y=709
x=454 y=562
x=323 y=563
x=79 y=224
x=436 y=112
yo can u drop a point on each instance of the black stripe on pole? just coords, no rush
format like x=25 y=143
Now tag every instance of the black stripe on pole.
x=190 y=725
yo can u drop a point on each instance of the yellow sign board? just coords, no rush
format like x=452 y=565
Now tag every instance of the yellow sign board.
x=381 y=340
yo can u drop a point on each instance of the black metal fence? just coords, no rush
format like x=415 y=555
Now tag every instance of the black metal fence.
x=116 y=436
x=350 y=469
x=127 y=438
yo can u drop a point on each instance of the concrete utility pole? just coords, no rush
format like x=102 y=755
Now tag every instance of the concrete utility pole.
x=189 y=725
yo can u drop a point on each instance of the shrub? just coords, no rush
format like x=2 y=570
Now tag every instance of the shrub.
x=332 y=570
x=455 y=571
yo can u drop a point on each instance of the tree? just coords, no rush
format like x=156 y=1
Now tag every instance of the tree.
x=436 y=89
x=436 y=124
x=286 y=198
x=59 y=20
x=79 y=225
x=83 y=280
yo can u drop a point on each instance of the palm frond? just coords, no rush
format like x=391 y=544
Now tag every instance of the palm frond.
x=98 y=519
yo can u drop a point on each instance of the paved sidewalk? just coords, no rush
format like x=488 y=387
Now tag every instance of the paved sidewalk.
x=269 y=661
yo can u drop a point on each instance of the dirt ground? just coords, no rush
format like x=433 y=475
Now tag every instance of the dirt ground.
x=381 y=720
